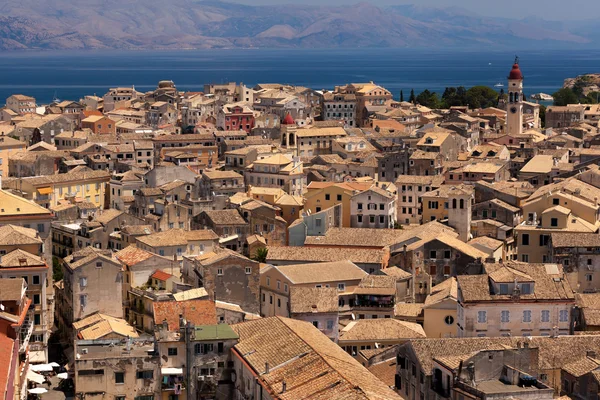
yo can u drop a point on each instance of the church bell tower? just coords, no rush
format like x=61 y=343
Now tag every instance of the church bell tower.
x=514 y=107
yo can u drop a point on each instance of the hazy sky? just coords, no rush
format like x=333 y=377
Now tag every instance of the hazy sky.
x=547 y=9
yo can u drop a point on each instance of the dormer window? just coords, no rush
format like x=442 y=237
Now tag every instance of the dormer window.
x=503 y=288
x=429 y=141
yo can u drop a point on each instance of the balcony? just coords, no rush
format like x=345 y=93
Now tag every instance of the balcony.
x=172 y=382
x=438 y=388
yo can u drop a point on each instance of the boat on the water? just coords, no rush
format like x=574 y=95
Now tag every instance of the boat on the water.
x=499 y=84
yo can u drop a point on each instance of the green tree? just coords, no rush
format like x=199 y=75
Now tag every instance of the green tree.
x=481 y=97
x=454 y=96
x=261 y=255
x=428 y=99
x=543 y=115
x=57 y=272
x=412 y=96
x=564 y=96
x=401 y=96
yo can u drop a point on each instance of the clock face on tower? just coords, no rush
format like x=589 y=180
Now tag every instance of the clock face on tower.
x=513 y=110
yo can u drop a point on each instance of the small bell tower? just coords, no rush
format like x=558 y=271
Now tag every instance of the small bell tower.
x=514 y=108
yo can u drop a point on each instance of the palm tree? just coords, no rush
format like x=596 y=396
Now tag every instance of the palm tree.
x=261 y=255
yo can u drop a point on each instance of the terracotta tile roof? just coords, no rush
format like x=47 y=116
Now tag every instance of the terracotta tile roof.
x=408 y=310
x=313 y=300
x=302 y=356
x=385 y=371
x=13 y=205
x=377 y=284
x=323 y=254
x=396 y=272
x=221 y=254
x=12 y=289
x=75 y=175
x=87 y=255
x=321 y=272
x=21 y=259
x=547 y=285
x=575 y=239
x=132 y=255
x=13 y=235
x=191 y=294
x=380 y=329
x=225 y=217
x=582 y=366
x=443 y=291
x=107 y=325
x=161 y=275
x=222 y=175
x=589 y=303
x=199 y=312
x=6 y=355
x=175 y=237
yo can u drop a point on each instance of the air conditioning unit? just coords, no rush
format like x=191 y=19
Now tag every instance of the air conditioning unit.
x=84 y=351
x=201 y=378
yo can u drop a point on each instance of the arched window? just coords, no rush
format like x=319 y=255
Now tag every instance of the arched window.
x=462 y=204
x=510 y=97
x=453 y=203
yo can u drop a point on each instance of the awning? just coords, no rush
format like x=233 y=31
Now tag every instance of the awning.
x=63 y=375
x=54 y=365
x=38 y=390
x=37 y=356
x=34 y=377
x=45 y=190
x=171 y=371
x=41 y=367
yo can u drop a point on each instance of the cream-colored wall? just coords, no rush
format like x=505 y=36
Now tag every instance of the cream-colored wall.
x=103 y=290
x=576 y=205
x=433 y=320
x=4 y=154
x=534 y=251
x=316 y=198
x=467 y=318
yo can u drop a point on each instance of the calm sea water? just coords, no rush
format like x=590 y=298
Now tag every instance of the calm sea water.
x=71 y=75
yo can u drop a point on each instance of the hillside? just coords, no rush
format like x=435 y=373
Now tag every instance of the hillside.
x=180 y=24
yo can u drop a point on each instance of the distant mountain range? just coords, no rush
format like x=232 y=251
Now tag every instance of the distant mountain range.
x=181 y=24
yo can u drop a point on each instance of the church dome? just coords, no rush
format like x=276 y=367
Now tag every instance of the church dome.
x=288 y=120
x=515 y=72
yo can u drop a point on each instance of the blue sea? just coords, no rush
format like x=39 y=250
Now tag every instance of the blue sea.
x=69 y=75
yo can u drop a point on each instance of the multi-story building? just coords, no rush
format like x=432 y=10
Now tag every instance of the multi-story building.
x=175 y=243
x=20 y=264
x=374 y=207
x=564 y=116
x=511 y=302
x=277 y=171
x=219 y=183
x=8 y=146
x=99 y=125
x=119 y=98
x=232 y=117
x=311 y=141
x=323 y=195
x=339 y=107
x=579 y=256
x=21 y=104
x=369 y=98
x=410 y=189
x=319 y=306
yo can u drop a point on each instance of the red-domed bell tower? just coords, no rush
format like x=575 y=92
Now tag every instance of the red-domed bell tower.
x=514 y=109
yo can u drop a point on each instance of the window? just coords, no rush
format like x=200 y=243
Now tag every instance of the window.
x=83 y=300
x=525 y=257
x=203 y=348
x=563 y=316
x=145 y=374
x=588 y=277
x=37 y=319
x=505 y=316
x=449 y=319
x=36 y=280
x=341 y=287
x=327 y=197
x=161 y=253
x=553 y=221
x=360 y=206
x=83 y=282
x=447 y=254
x=339 y=197
x=279 y=303
x=381 y=219
x=278 y=285
x=36 y=299
x=318 y=222
x=248 y=270
x=381 y=206
x=268 y=281
x=120 y=398
x=285 y=287
x=525 y=239
x=329 y=324
x=99 y=264
x=372 y=219
x=545 y=315
x=40 y=228
x=527 y=316
x=482 y=317
x=220 y=271
x=526 y=288
x=555 y=202
x=433 y=254
x=172 y=351
x=504 y=288
x=87 y=372
x=589 y=261
x=119 y=377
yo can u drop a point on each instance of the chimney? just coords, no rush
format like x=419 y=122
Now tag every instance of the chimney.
x=283 y=386
x=266 y=368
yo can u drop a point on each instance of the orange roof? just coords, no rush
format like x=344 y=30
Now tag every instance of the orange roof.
x=199 y=312
x=161 y=275
x=388 y=124
x=132 y=255
x=6 y=352
x=89 y=113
